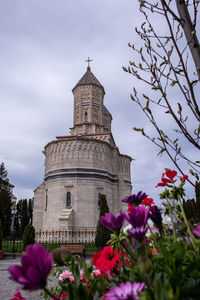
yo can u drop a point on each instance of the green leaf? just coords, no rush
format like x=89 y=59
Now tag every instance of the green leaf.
x=194 y=81
x=175 y=141
x=173 y=83
x=180 y=108
x=161 y=152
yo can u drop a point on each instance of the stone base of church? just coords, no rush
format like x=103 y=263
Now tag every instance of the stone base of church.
x=77 y=235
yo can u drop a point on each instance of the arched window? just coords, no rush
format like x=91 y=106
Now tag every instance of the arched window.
x=86 y=116
x=68 y=199
x=99 y=199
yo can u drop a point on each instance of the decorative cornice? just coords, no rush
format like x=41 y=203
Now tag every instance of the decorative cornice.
x=82 y=138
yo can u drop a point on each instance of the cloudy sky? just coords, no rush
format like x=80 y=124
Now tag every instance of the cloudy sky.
x=44 y=45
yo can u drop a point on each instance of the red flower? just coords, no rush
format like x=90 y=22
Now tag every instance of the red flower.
x=62 y=296
x=106 y=260
x=164 y=181
x=128 y=261
x=130 y=207
x=171 y=174
x=18 y=295
x=147 y=201
x=184 y=178
x=95 y=257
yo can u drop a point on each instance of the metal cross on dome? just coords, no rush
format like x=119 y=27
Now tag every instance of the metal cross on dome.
x=88 y=61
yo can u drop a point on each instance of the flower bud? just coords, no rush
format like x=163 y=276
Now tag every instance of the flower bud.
x=145 y=265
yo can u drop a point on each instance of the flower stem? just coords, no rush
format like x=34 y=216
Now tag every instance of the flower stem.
x=172 y=219
x=128 y=251
x=153 y=241
x=154 y=248
x=187 y=224
x=49 y=293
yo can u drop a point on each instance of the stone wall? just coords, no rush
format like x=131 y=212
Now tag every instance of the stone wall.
x=84 y=168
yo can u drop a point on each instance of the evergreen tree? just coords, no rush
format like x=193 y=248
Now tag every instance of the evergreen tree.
x=102 y=233
x=18 y=218
x=28 y=236
x=30 y=210
x=5 y=201
x=1 y=236
x=24 y=215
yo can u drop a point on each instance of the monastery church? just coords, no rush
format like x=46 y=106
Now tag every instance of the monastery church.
x=79 y=168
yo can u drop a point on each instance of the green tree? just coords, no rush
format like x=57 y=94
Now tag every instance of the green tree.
x=167 y=61
x=18 y=218
x=30 y=210
x=1 y=236
x=102 y=233
x=28 y=236
x=5 y=200
x=24 y=215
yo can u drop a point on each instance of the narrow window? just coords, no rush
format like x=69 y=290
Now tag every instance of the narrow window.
x=68 y=199
x=86 y=116
x=99 y=199
x=46 y=201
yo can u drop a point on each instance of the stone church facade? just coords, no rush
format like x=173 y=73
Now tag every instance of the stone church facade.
x=80 y=167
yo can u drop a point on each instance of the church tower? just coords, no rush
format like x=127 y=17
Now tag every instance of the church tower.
x=91 y=117
x=80 y=167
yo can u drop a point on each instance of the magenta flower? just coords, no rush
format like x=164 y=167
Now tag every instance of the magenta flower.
x=135 y=199
x=35 y=266
x=126 y=291
x=155 y=215
x=113 y=223
x=138 y=219
x=197 y=231
x=138 y=216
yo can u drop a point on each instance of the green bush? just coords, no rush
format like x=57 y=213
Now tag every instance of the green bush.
x=102 y=233
x=1 y=236
x=61 y=256
x=28 y=236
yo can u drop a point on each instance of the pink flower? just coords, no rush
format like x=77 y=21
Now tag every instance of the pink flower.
x=82 y=278
x=96 y=273
x=126 y=291
x=197 y=231
x=66 y=275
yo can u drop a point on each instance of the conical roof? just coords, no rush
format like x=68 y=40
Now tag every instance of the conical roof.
x=89 y=78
